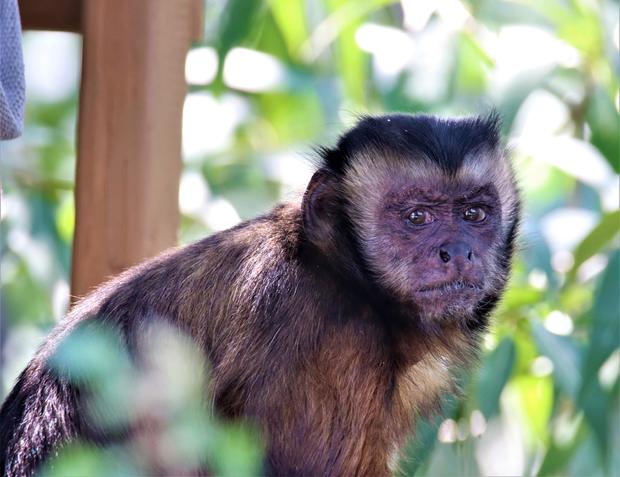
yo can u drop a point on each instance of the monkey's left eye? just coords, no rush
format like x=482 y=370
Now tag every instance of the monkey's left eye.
x=474 y=214
x=421 y=217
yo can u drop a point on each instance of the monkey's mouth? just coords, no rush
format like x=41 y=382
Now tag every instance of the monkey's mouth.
x=448 y=287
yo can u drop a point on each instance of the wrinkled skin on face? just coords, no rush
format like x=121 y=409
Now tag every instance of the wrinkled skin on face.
x=433 y=240
x=434 y=244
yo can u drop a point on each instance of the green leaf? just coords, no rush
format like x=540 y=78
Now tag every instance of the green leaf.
x=556 y=459
x=576 y=22
x=473 y=65
x=237 y=452
x=449 y=457
x=500 y=12
x=604 y=123
x=583 y=31
x=516 y=93
x=613 y=456
x=518 y=297
x=494 y=375
x=340 y=27
x=81 y=459
x=604 y=340
x=90 y=353
x=605 y=332
x=595 y=242
x=291 y=20
x=535 y=395
x=419 y=448
x=586 y=460
x=422 y=443
x=238 y=21
x=565 y=357
x=65 y=218
x=351 y=61
x=595 y=402
x=93 y=356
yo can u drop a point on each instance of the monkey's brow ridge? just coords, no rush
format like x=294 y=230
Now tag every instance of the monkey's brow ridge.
x=476 y=192
x=425 y=193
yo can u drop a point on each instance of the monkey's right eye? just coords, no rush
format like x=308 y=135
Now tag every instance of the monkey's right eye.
x=421 y=217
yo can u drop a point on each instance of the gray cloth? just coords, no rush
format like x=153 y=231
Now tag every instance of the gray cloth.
x=12 y=86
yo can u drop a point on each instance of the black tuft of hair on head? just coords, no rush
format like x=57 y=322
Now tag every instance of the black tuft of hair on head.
x=444 y=141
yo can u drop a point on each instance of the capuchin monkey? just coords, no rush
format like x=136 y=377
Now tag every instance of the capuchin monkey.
x=332 y=322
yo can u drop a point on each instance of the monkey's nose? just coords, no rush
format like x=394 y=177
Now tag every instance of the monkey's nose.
x=454 y=250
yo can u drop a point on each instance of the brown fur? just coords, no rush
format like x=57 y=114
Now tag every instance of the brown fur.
x=303 y=334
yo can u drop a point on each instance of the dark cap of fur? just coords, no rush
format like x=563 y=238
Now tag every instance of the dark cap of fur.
x=444 y=141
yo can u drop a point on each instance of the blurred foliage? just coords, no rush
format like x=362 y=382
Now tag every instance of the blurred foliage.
x=160 y=399
x=545 y=400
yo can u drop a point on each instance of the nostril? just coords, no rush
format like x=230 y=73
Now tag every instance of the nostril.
x=470 y=255
x=445 y=256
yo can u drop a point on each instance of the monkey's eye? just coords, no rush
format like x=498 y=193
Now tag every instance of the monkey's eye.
x=474 y=214
x=421 y=217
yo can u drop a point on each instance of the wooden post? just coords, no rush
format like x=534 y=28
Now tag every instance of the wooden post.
x=129 y=132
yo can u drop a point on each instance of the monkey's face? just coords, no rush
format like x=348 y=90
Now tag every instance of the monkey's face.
x=436 y=241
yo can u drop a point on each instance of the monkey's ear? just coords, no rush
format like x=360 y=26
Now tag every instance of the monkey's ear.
x=319 y=208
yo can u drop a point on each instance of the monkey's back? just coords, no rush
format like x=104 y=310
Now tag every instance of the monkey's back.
x=209 y=289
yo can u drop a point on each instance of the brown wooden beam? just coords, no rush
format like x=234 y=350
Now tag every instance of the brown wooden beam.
x=129 y=133
x=59 y=15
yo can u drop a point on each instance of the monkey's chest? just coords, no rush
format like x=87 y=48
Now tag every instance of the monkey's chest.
x=341 y=414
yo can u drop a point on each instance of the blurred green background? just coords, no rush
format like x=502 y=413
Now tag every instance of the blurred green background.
x=274 y=78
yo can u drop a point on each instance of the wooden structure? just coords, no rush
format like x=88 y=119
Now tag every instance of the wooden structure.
x=129 y=125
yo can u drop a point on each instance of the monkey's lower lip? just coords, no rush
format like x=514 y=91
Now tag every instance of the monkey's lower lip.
x=453 y=286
